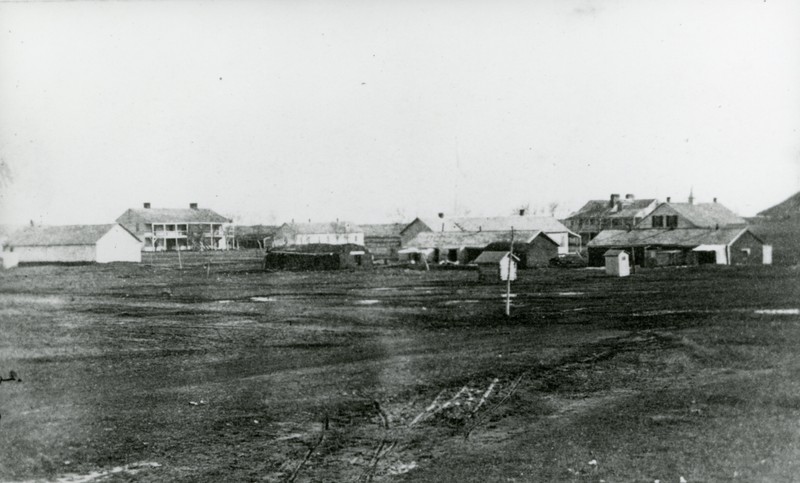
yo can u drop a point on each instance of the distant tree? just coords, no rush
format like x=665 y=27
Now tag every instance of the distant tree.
x=552 y=207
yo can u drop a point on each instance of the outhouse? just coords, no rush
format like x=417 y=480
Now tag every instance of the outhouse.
x=496 y=266
x=617 y=263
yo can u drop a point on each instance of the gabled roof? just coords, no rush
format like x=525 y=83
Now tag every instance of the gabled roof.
x=681 y=237
x=383 y=230
x=438 y=224
x=495 y=223
x=602 y=209
x=505 y=223
x=61 y=235
x=320 y=248
x=707 y=215
x=429 y=239
x=171 y=215
x=519 y=245
x=605 y=235
x=255 y=230
x=322 y=228
x=493 y=257
x=784 y=209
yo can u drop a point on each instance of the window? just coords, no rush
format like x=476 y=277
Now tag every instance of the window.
x=672 y=221
x=745 y=252
x=658 y=222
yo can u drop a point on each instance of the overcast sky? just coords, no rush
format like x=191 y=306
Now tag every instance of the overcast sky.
x=369 y=110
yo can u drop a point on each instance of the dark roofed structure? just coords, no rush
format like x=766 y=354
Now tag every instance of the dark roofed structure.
x=318 y=256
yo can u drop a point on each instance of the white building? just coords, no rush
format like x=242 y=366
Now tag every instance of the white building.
x=75 y=244
x=335 y=233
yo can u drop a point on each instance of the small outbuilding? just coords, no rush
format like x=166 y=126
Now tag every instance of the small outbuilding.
x=75 y=244
x=533 y=251
x=617 y=263
x=497 y=266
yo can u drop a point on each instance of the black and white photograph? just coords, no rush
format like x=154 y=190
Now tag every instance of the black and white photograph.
x=400 y=241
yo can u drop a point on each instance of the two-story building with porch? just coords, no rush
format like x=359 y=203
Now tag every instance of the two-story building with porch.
x=193 y=228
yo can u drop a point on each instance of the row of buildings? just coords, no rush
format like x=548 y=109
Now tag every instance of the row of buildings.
x=653 y=233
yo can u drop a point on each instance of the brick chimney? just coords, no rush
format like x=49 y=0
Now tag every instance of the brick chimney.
x=613 y=201
x=629 y=196
x=193 y=206
x=669 y=199
x=522 y=212
x=715 y=199
x=146 y=205
x=441 y=215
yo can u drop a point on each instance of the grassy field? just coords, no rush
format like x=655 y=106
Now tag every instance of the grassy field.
x=150 y=373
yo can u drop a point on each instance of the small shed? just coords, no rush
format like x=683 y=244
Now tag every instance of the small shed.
x=533 y=251
x=496 y=266
x=617 y=263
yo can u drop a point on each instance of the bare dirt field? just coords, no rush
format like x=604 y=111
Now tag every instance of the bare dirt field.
x=151 y=373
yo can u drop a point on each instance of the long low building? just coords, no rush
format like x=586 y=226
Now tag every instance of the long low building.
x=75 y=244
x=318 y=256
x=456 y=246
x=683 y=246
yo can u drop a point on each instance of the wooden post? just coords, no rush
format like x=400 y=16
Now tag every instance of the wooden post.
x=180 y=262
x=508 y=275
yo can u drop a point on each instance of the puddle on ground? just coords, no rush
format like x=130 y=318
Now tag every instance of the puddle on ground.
x=130 y=469
x=459 y=302
x=779 y=311
x=368 y=302
x=263 y=299
x=569 y=294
